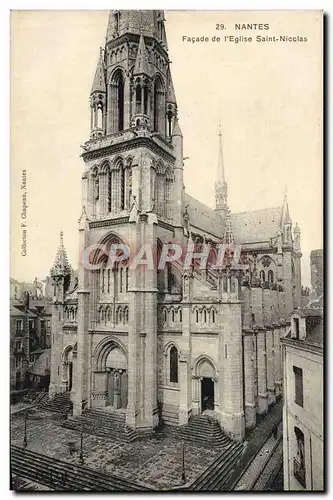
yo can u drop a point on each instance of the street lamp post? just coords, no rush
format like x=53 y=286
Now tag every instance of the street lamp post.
x=25 y=442
x=183 y=463
x=81 y=446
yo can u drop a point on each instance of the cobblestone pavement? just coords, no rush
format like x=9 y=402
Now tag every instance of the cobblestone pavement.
x=154 y=462
x=251 y=474
x=271 y=468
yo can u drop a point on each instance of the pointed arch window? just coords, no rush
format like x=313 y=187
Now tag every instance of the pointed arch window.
x=117 y=101
x=173 y=316
x=138 y=100
x=262 y=276
x=270 y=276
x=109 y=189
x=126 y=279
x=205 y=316
x=213 y=316
x=122 y=188
x=173 y=364
x=160 y=29
x=159 y=106
x=145 y=100
x=180 y=315
x=197 y=316
x=117 y=21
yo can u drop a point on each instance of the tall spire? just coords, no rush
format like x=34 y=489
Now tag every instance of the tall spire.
x=221 y=187
x=285 y=215
x=61 y=265
x=220 y=165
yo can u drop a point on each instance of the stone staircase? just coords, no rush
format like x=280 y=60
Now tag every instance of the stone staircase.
x=104 y=423
x=216 y=476
x=65 y=476
x=61 y=403
x=203 y=430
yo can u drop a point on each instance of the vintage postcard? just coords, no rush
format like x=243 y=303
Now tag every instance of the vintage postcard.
x=166 y=290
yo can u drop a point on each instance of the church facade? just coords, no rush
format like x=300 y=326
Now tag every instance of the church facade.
x=170 y=343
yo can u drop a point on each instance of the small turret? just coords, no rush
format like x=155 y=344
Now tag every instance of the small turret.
x=98 y=100
x=61 y=271
x=142 y=87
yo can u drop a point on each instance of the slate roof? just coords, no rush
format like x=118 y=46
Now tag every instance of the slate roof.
x=40 y=365
x=247 y=227
x=203 y=217
x=256 y=225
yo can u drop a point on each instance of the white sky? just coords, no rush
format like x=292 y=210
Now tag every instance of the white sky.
x=267 y=96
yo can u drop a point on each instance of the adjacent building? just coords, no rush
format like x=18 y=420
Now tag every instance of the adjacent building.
x=30 y=336
x=303 y=410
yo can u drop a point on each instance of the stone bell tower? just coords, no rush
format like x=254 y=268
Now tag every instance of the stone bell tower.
x=132 y=188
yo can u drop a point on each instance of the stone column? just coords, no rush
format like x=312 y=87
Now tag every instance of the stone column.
x=249 y=382
x=81 y=378
x=185 y=396
x=262 y=373
x=231 y=385
x=142 y=410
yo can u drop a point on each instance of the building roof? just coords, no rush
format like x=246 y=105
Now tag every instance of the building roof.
x=99 y=79
x=42 y=363
x=316 y=335
x=256 y=225
x=19 y=311
x=247 y=227
x=203 y=217
x=15 y=312
x=309 y=312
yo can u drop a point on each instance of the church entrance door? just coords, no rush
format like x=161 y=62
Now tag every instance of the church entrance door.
x=117 y=388
x=207 y=394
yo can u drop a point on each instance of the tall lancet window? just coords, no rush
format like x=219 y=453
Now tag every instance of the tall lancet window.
x=138 y=95
x=117 y=101
x=160 y=30
x=122 y=188
x=129 y=187
x=173 y=364
x=109 y=187
x=145 y=100
x=169 y=116
x=159 y=106
x=117 y=21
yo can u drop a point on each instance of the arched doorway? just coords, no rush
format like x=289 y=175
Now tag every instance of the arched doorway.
x=205 y=375
x=110 y=378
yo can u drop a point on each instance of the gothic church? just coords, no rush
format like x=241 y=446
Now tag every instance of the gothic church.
x=165 y=344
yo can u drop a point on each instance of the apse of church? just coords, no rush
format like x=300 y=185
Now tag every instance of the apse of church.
x=165 y=344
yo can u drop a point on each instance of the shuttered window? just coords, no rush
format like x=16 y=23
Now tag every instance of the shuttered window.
x=298 y=373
